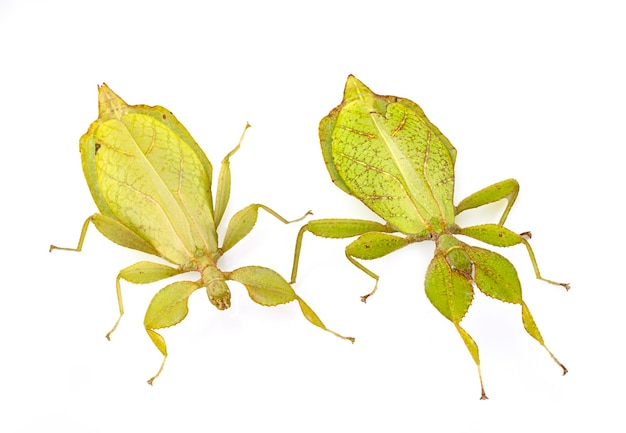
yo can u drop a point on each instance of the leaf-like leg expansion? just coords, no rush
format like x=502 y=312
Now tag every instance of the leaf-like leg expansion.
x=496 y=277
x=334 y=229
x=223 y=183
x=243 y=222
x=533 y=330
x=373 y=245
x=266 y=287
x=167 y=308
x=310 y=315
x=473 y=350
x=451 y=294
x=140 y=273
x=115 y=232
x=508 y=189
x=500 y=236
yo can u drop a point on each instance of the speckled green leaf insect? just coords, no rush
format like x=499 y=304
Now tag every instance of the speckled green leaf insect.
x=385 y=152
x=152 y=184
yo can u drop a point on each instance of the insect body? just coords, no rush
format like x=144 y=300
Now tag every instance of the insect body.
x=152 y=184
x=385 y=152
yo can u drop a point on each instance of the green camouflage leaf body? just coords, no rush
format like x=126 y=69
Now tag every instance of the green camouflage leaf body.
x=152 y=185
x=384 y=151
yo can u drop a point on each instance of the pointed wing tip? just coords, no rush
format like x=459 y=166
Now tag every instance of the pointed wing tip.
x=355 y=89
x=108 y=100
x=353 y=81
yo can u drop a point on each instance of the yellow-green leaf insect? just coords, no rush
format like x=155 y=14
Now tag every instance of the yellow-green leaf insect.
x=386 y=153
x=152 y=184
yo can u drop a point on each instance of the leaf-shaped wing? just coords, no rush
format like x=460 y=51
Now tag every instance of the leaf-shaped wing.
x=385 y=152
x=144 y=169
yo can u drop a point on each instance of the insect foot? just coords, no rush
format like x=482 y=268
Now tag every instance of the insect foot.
x=383 y=151
x=152 y=185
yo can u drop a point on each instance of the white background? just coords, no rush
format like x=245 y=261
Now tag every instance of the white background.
x=532 y=90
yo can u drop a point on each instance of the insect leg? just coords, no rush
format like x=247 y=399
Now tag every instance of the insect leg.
x=451 y=293
x=223 y=183
x=373 y=245
x=536 y=267
x=83 y=232
x=266 y=287
x=140 y=273
x=167 y=308
x=506 y=189
x=116 y=232
x=243 y=222
x=531 y=328
x=333 y=229
x=500 y=236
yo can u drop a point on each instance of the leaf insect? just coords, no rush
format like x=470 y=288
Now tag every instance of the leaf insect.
x=384 y=151
x=152 y=185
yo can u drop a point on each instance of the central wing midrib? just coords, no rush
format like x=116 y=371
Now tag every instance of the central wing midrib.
x=409 y=177
x=172 y=209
